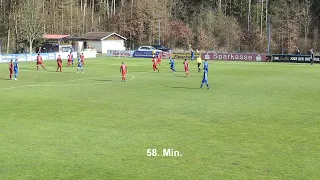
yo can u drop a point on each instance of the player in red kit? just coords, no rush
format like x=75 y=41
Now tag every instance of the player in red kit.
x=70 y=59
x=10 y=69
x=59 y=62
x=82 y=59
x=186 y=67
x=155 y=62
x=39 y=62
x=123 y=70
x=159 y=59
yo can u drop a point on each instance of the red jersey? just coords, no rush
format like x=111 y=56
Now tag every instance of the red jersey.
x=123 y=68
x=186 y=65
x=10 y=66
x=82 y=57
x=70 y=57
x=154 y=60
x=39 y=58
x=59 y=60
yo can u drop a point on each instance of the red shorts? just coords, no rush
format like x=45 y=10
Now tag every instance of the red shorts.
x=186 y=69
x=11 y=71
x=124 y=73
x=39 y=62
x=154 y=66
x=59 y=65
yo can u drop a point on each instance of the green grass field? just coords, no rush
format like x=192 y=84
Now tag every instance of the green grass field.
x=258 y=121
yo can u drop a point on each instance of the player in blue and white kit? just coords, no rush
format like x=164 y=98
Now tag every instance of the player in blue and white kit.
x=192 y=54
x=172 y=65
x=73 y=60
x=205 y=78
x=79 y=65
x=206 y=65
x=16 y=69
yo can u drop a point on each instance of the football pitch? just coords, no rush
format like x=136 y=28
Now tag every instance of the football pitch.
x=258 y=121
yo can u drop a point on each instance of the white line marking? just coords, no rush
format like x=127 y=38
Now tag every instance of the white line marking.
x=31 y=85
x=132 y=77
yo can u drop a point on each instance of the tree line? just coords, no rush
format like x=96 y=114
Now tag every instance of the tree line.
x=217 y=25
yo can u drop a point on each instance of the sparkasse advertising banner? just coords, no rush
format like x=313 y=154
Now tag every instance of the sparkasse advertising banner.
x=234 y=57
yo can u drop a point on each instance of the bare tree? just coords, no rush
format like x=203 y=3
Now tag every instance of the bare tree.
x=9 y=29
x=249 y=14
x=306 y=20
x=71 y=16
x=16 y=32
x=261 y=18
x=267 y=13
x=315 y=37
x=84 y=16
x=31 y=21
x=135 y=19
x=92 y=15
x=108 y=8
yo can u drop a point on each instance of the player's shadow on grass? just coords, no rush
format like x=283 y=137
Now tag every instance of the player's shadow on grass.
x=4 y=78
x=181 y=87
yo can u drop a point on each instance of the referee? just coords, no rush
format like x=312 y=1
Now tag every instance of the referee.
x=199 y=63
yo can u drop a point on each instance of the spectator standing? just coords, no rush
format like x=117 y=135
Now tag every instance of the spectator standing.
x=311 y=53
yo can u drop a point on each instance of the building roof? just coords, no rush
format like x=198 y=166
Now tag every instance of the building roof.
x=100 y=35
x=55 y=36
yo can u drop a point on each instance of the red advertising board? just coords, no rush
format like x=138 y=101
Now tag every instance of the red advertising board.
x=234 y=56
x=166 y=55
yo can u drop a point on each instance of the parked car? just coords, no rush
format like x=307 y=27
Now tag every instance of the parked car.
x=162 y=48
x=148 y=48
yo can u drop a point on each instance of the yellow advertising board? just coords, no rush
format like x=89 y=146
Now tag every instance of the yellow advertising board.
x=184 y=55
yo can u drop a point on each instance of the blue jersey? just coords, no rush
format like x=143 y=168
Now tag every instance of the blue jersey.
x=205 y=75
x=206 y=65
x=15 y=65
x=192 y=54
x=79 y=62
x=172 y=62
x=205 y=78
